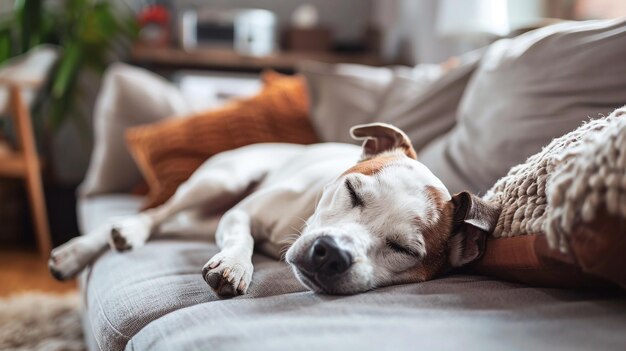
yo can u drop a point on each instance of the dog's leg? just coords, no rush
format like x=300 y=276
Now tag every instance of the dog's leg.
x=229 y=272
x=124 y=233
x=217 y=184
x=72 y=257
x=133 y=231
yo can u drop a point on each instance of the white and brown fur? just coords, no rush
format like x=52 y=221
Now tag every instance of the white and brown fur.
x=385 y=213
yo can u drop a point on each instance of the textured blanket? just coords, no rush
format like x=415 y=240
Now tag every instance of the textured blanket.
x=566 y=183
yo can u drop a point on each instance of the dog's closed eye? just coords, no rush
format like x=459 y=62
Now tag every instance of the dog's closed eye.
x=399 y=248
x=355 y=199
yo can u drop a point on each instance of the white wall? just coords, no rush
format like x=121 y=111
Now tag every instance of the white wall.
x=410 y=28
x=525 y=12
x=409 y=31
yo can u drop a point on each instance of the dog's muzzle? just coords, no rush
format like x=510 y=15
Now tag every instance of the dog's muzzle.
x=326 y=258
x=324 y=261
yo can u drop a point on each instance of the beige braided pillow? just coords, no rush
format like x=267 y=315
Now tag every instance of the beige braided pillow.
x=574 y=188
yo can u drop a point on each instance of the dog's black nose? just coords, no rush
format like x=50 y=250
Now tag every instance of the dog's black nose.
x=327 y=258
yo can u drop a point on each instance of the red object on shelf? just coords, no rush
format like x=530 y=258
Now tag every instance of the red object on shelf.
x=154 y=21
x=153 y=14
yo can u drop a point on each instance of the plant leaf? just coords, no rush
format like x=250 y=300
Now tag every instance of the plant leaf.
x=29 y=14
x=5 y=45
x=68 y=66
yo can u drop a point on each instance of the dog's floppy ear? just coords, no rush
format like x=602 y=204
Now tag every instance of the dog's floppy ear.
x=474 y=219
x=381 y=137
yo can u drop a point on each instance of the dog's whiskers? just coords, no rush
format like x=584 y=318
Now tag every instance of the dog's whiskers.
x=288 y=241
x=306 y=222
x=296 y=235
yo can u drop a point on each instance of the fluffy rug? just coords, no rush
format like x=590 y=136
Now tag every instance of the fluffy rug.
x=42 y=322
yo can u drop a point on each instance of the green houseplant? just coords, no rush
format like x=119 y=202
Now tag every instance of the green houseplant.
x=84 y=29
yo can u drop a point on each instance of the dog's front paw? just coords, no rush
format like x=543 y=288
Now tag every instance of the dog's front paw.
x=130 y=232
x=228 y=274
x=69 y=259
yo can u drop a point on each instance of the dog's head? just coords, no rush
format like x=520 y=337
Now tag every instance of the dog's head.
x=387 y=220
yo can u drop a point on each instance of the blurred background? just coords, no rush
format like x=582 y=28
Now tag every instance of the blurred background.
x=214 y=50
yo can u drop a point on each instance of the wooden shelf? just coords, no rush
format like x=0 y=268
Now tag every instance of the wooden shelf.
x=229 y=59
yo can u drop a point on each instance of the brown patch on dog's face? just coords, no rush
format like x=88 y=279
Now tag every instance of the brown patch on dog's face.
x=436 y=235
x=458 y=237
x=372 y=166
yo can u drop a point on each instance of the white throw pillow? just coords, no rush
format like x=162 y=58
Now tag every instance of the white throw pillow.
x=129 y=96
x=342 y=95
x=422 y=100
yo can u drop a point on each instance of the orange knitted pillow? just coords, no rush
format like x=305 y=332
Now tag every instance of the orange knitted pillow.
x=596 y=259
x=168 y=152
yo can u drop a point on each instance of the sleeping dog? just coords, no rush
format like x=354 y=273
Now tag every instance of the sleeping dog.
x=350 y=219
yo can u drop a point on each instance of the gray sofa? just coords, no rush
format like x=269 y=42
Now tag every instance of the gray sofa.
x=154 y=298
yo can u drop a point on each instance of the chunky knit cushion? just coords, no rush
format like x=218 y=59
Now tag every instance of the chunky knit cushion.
x=170 y=151
x=564 y=210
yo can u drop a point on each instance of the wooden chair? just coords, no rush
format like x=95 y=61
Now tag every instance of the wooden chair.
x=24 y=162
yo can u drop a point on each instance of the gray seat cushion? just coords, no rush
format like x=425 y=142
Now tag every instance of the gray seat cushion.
x=457 y=312
x=127 y=291
x=154 y=298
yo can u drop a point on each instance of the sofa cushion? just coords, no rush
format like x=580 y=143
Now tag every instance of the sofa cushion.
x=343 y=95
x=126 y=291
x=436 y=315
x=170 y=151
x=154 y=298
x=525 y=92
x=528 y=259
x=423 y=102
x=124 y=102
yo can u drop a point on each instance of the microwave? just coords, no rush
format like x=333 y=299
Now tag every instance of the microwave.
x=250 y=32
